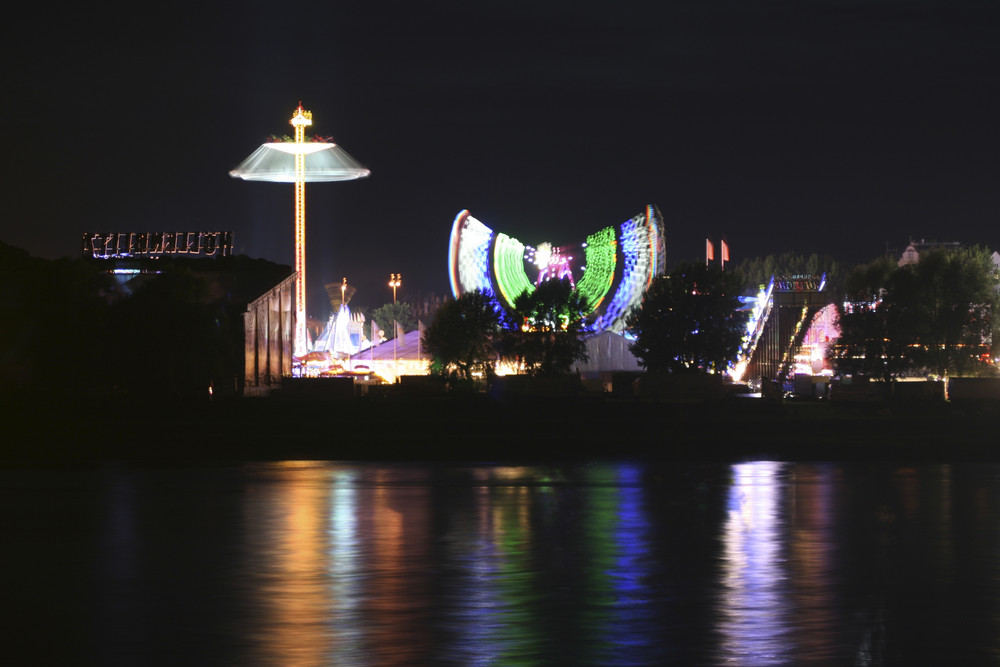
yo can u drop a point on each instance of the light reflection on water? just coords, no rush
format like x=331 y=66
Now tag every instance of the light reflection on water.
x=752 y=610
x=302 y=563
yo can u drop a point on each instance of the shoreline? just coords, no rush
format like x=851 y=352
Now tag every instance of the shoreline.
x=482 y=429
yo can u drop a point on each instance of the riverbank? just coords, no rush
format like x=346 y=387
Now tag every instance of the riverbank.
x=480 y=428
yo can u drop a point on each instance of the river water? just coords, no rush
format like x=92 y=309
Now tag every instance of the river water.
x=323 y=563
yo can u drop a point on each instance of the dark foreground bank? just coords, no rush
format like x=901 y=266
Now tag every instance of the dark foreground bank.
x=480 y=428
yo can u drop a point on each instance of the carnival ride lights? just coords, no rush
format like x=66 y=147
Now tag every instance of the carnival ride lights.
x=508 y=262
x=811 y=358
x=601 y=256
x=468 y=255
x=557 y=266
x=300 y=162
x=788 y=358
x=637 y=240
x=760 y=311
x=755 y=327
x=499 y=264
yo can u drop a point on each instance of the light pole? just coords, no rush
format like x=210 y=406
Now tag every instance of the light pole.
x=395 y=280
x=343 y=296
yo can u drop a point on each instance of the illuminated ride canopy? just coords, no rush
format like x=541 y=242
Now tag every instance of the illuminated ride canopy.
x=611 y=269
x=274 y=162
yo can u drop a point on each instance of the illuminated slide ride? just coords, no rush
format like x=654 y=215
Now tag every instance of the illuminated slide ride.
x=779 y=318
x=611 y=269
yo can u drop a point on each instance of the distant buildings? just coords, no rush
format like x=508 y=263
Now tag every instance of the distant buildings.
x=912 y=253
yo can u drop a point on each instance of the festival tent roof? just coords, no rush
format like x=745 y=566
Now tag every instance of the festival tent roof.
x=401 y=350
x=607 y=351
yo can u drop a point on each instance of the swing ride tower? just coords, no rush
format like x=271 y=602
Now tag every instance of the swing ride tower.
x=300 y=161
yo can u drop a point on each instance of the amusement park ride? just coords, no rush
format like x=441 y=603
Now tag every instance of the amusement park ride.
x=781 y=317
x=300 y=162
x=611 y=268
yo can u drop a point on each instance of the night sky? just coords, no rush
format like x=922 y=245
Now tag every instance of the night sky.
x=838 y=127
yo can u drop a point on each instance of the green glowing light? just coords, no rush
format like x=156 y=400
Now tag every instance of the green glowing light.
x=601 y=259
x=508 y=267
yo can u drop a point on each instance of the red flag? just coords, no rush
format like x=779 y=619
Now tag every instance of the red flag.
x=709 y=250
x=725 y=251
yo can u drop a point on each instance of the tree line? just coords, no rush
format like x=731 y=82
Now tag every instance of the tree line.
x=689 y=322
x=541 y=335
x=932 y=317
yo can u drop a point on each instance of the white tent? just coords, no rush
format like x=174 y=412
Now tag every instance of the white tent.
x=400 y=356
x=608 y=352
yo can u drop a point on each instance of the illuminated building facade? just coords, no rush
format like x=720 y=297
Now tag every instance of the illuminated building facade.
x=611 y=269
x=267 y=328
x=300 y=161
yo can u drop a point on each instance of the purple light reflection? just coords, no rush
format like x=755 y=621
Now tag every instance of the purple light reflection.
x=753 y=605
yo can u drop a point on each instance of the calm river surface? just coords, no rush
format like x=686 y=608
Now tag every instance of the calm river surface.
x=315 y=563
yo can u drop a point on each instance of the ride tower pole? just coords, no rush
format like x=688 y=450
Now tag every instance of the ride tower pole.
x=300 y=121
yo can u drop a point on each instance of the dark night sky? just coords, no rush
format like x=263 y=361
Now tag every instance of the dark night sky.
x=835 y=127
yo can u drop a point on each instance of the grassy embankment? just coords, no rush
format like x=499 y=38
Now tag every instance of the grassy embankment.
x=481 y=428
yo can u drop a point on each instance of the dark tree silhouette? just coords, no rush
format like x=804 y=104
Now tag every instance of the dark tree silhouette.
x=53 y=325
x=548 y=324
x=464 y=334
x=689 y=321
x=164 y=338
x=932 y=317
x=386 y=315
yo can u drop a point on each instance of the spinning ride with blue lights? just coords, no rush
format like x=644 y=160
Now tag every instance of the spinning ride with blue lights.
x=611 y=269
